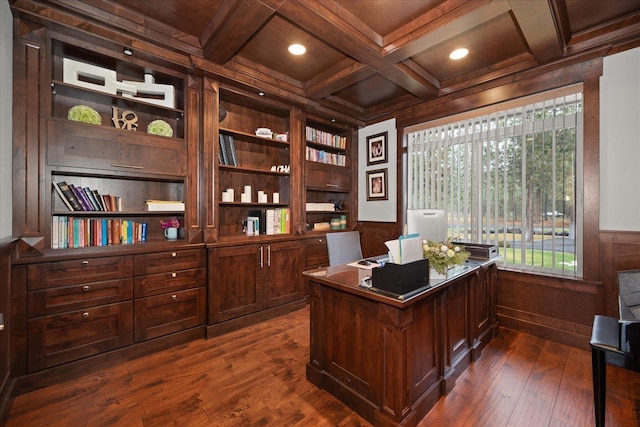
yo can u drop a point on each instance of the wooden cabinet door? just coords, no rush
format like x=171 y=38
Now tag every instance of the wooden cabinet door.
x=76 y=297
x=171 y=312
x=58 y=339
x=353 y=349
x=75 y=271
x=424 y=348
x=284 y=263
x=316 y=253
x=456 y=319
x=235 y=282
x=88 y=146
x=482 y=303
x=168 y=261
x=156 y=284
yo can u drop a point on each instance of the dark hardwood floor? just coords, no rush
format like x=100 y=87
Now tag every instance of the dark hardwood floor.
x=256 y=377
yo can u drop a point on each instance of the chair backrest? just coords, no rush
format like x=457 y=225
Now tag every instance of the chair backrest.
x=629 y=294
x=344 y=247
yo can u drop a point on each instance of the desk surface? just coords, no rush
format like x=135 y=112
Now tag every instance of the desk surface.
x=349 y=279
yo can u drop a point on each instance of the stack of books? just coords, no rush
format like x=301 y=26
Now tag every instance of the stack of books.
x=86 y=199
x=325 y=138
x=320 y=156
x=71 y=232
x=320 y=207
x=164 y=205
x=227 y=150
x=270 y=221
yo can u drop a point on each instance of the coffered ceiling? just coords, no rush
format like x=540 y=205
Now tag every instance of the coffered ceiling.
x=365 y=58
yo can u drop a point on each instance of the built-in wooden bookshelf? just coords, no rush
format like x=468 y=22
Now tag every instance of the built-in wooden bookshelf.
x=253 y=171
x=328 y=176
x=117 y=156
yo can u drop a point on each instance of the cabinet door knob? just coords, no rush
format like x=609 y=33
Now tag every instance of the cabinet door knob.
x=85 y=288
x=85 y=315
x=174 y=297
x=174 y=275
x=174 y=254
x=85 y=262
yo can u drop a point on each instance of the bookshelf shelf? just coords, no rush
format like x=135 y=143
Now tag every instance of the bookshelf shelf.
x=237 y=169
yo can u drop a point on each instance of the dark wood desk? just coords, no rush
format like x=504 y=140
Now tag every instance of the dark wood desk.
x=388 y=358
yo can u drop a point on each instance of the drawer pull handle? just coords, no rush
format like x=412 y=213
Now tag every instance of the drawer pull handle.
x=174 y=297
x=85 y=262
x=331 y=185
x=319 y=240
x=174 y=254
x=85 y=288
x=174 y=275
x=85 y=315
x=114 y=165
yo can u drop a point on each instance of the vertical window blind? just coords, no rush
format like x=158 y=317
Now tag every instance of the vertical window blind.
x=510 y=177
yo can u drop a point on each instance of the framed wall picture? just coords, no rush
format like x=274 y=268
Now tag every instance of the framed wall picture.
x=377 y=148
x=377 y=185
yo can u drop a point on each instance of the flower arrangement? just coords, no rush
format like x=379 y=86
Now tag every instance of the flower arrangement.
x=84 y=114
x=443 y=255
x=169 y=223
x=160 y=127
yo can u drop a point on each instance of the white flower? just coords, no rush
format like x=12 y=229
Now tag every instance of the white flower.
x=457 y=248
x=444 y=248
x=451 y=253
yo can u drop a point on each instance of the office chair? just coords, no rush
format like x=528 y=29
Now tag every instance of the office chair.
x=344 y=247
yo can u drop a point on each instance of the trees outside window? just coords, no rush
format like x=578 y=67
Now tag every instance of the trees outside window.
x=508 y=178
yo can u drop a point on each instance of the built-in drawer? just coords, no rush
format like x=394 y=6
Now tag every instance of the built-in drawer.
x=167 y=313
x=57 y=300
x=169 y=261
x=77 y=271
x=328 y=177
x=316 y=252
x=88 y=146
x=62 y=338
x=154 y=284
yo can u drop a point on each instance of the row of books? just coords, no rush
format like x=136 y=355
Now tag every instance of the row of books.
x=71 y=232
x=324 y=157
x=270 y=221
x=86 y=199
x=325 y=138
x=227 y=150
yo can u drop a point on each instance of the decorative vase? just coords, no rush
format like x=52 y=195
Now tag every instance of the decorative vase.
x=171 y=233
x=434 y=275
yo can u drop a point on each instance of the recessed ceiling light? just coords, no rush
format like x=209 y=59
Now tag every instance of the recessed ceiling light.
x=261 y=93
x=297 y=49
x=127 y=51
x=459 y=53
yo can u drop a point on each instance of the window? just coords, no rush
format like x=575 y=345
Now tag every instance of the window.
x=510 y=178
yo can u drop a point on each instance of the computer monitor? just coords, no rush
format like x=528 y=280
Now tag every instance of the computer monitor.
x=430 y=224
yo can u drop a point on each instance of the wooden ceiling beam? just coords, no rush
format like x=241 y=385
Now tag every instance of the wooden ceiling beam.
x=322 y=23
x=625 y=30
x=347 y=73
x=235 y=29
x=538 y=28
x=465 y=18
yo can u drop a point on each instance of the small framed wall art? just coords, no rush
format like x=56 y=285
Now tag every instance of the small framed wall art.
x=377 y=148
x=377 y=185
